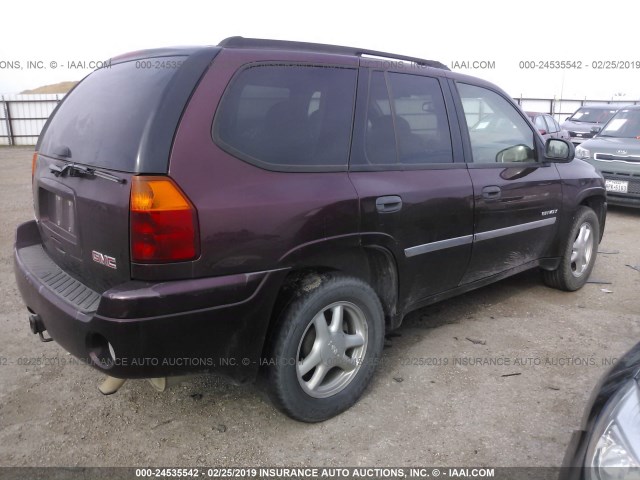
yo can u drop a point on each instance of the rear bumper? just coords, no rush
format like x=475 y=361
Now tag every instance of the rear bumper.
x=142 y=329
x=578 y=140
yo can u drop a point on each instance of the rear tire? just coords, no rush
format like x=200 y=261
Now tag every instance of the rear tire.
x=326 y=347
x=579 y=253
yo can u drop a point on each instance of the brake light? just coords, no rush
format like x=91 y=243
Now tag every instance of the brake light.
x=164 y=223
x=34 y=162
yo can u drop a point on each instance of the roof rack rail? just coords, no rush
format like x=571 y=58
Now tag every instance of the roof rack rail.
x=241 y=42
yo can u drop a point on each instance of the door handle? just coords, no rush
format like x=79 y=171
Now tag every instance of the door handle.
x=388 y=204
x=492 y=193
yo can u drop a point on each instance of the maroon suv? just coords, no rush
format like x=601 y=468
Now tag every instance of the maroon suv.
x=273 y=208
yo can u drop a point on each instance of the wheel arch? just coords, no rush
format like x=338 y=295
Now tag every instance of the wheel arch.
x=598 y=204
x=374 y=265
x=595 y=199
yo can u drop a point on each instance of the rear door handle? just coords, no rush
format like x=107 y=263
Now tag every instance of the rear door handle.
x=388 y=204
x=492 y=192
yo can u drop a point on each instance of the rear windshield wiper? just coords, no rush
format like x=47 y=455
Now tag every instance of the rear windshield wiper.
x=75 y=170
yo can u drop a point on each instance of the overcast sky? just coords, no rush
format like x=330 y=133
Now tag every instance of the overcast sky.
x=505 y=33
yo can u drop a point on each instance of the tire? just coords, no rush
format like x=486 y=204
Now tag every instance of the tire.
x=325 y=349
x=579 y=253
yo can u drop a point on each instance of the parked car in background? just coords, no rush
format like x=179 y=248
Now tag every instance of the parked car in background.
x=269 y=208
x=615 y=152
x=547 y=126
x=607 y=446
x=581 y=124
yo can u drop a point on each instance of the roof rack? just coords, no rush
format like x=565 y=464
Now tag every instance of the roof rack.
x=241 y=42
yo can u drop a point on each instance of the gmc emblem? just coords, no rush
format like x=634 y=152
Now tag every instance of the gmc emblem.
x=105 y=260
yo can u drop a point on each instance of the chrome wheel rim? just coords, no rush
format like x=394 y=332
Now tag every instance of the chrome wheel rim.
x=332 y=349
x=582 y=250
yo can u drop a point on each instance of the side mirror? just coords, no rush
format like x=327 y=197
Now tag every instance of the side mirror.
x=517 y=153
x=559 y=150
x=596 y=129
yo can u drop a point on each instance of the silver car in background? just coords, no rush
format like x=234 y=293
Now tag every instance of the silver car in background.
x=615 y=152
x=586 y=121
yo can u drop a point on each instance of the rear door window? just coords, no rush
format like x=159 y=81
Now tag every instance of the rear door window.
x=540 y=123
x=551 y=123
x=102 y=121
x=422 y=127
x=380 y=136
x=288 y=117
x=406 y=123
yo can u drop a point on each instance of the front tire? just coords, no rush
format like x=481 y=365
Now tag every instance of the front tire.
x=326 y=348
x=579 y=253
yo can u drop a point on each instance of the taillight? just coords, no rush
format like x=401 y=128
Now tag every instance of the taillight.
x=34 y=162
x=164 y=223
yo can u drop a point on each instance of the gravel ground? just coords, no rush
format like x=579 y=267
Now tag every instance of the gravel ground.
x=449 y=414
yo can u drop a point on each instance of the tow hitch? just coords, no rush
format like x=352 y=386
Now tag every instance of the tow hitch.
x=37 y=326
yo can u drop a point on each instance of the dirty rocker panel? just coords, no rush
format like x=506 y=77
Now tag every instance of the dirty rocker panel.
x=478 y=237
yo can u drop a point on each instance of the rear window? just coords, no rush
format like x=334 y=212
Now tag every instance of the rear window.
x=288 y=117
x=103 y=120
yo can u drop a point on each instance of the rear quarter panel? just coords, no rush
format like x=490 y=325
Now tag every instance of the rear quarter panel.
x=250 y=218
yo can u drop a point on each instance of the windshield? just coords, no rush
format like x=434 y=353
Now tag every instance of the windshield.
x=593 y=115
x=625 y=124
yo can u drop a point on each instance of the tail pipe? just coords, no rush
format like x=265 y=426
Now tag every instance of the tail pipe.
x=111 y=385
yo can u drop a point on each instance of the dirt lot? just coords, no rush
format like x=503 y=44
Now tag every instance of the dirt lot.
x=442 y=415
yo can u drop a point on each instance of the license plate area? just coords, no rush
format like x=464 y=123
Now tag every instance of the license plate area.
x=57 y=211
x=617 y=186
